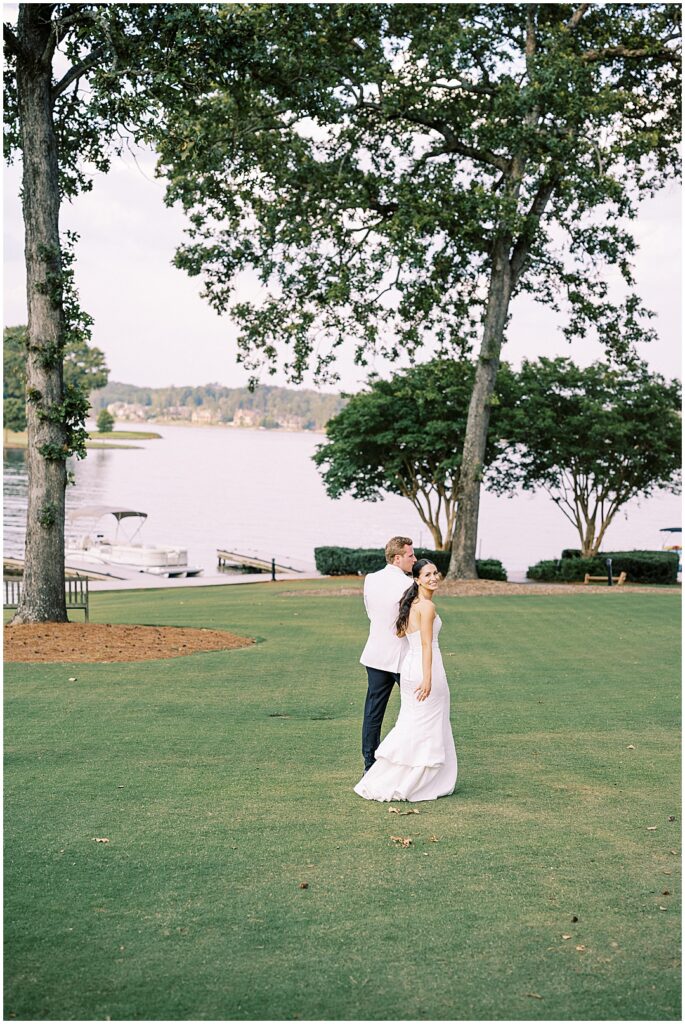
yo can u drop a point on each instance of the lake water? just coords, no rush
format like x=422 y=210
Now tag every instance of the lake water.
x=257 y=491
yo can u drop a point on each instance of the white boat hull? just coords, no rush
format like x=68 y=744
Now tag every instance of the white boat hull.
x=134 y=558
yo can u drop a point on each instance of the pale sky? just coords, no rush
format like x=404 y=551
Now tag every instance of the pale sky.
x=156 y=330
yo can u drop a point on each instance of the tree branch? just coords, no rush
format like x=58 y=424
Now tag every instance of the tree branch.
x=530 y=37
x=613 y=52
x=570 y=515
x=453 y=145
x=576 y=17
x=484 y=156
x=537 y=208
x=79 y=70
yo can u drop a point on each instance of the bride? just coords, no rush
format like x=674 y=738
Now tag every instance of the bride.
x=417 y=759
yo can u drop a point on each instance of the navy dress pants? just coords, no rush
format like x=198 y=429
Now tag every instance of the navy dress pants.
x=377 y=697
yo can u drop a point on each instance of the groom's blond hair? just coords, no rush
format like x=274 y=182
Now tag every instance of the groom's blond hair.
x=396 y=546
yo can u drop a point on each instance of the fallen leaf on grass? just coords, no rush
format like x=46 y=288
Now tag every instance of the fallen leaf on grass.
x=666 y=892
x=574 y=918
x=304 y=885
x=433 y=839
x=72 y=679
x=533 y=995
x=651 y=828
x=671 y=817
x=396 y=810
x=565 y=936
x=96 y=840
x=581 y=949
x=663 y=908
x=401 y=840
x=630 y=746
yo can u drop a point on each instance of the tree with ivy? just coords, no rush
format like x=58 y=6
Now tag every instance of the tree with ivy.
x=119 y=65
x=593 y=439
x=396 y=174
x=84 y=369
x=405 y=436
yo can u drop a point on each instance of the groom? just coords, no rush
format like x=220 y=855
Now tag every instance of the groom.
x=384 y=649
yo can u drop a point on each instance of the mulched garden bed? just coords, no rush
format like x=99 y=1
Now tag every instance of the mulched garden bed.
x=96 y=642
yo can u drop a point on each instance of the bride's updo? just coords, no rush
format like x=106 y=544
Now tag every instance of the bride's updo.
x=409 y=596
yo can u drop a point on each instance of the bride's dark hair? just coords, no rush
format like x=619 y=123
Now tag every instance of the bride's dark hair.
x=409 y=596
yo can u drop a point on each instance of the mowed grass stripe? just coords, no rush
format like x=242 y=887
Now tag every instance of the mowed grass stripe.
x=216 y=810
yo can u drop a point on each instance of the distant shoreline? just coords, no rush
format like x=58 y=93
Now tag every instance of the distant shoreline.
x=17 y=441
x=158 y=421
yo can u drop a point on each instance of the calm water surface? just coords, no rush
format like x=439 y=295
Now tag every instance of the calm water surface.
x=257 y=491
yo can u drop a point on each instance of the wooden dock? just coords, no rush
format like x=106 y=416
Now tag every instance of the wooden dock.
x=243 y=563
x=14 y=567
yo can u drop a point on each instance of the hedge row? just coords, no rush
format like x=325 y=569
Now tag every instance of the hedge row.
x=334 y=561
x=641 y=567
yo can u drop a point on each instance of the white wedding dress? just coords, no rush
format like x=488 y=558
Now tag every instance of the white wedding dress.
x=417 y=759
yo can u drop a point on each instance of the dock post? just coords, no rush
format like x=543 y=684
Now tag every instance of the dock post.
x=273 y=570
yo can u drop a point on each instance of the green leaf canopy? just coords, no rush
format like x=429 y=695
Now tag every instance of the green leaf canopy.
x=593 y=437
x=405 y=436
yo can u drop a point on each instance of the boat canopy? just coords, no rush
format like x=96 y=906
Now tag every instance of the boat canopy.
x=671 y=529
x=97 y=511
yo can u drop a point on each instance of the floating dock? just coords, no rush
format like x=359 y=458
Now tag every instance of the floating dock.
x=243 y=563
x=15 y=567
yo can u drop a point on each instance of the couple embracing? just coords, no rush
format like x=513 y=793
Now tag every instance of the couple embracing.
x=417 y=759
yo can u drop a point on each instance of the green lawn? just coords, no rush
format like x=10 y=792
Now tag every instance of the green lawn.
x=224 y=781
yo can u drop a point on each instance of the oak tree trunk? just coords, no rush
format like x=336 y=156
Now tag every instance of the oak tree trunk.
x=43 y=596
x=463 y=560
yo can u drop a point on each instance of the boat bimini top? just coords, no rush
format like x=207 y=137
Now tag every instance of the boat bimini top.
x=96 y=511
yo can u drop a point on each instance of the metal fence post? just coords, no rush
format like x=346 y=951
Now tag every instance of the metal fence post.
x=610 y=579
x=273 y=570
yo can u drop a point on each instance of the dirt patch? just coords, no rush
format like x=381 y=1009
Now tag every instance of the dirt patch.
x=90 y=641
x=482 y=588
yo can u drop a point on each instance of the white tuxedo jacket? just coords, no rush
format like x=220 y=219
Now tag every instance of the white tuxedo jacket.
x=382 y=593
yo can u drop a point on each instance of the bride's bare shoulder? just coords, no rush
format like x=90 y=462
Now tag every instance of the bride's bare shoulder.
x=427 y=611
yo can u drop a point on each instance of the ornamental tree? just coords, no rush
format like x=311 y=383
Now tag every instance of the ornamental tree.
x=405 y=436
x=395 y=174
x=593 y=438
x=105 y=421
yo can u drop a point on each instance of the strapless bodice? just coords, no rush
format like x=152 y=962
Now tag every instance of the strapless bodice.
x=415 y=637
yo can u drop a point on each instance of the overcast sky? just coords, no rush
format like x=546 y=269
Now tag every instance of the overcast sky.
x=156 y=330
